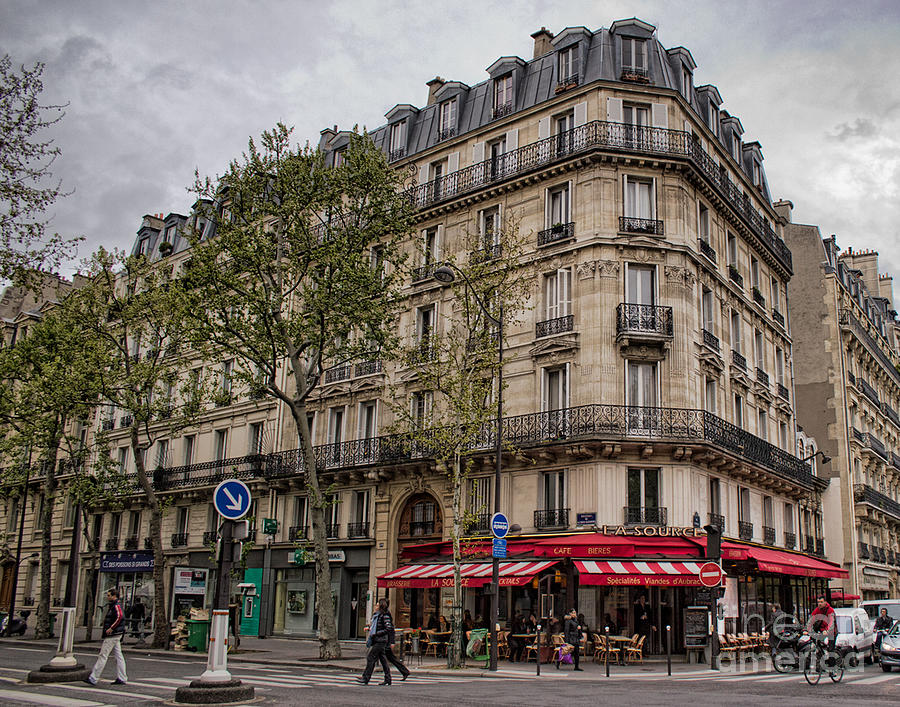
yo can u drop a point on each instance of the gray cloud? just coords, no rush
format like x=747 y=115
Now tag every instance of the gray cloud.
x=859 y=128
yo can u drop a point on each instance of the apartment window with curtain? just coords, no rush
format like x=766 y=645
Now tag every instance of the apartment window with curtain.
x=553 y=490
x=708 y=310
x=123 y=460
x=643 y=500
x=779 y=365
x=736 y=331
x=429 y=246
x=738 y=411
x=558 y=206
x=754 y=272
x=704 y=223
x=745 y=524
x=634 y=55
x=398 y=140
x=162 y=454
x=567 y=64
x=759 y=349
x=503 y=96
x=557 y=291
x=555 y=399
x=221 y=445
x=776 y=295
x=762 y=424
x=639 y=198
x=640 y=284
x=447 y=119
x=255 y=438
x=731 y=249
x=421 y=408
x=187 y=446
x=715 y=497
x=335 y=433
x=710 y=395
x=642 y=396
x=358 y=527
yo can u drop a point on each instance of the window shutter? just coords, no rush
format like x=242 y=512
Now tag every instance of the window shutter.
x=423 y=174
x=544 y=128
x=614 y=110
x=580 y=116
x=478 y=152
x=452 y=162
x=438 y=246
x=687 y=127
x=512 y=140
x=660 y=115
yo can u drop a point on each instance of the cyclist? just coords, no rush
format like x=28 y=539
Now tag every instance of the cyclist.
x=821 y=624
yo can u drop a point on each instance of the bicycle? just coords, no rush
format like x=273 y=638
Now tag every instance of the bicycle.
x=817 y=662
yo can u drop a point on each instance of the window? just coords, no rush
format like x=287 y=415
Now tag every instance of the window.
x=783 y=434
x=639 y=198
x=360 y=514
x=301 y=511
x=398 y=140
x=421 y=408
x=687 y=83
x=367 y=419
x=181 y=522
x=335 y=432
x=710 y=394
x=759 y=349
x=376 y=259
x=12 y=515
x=732 y=249
x=340 y=156
x=779 y=365
x=568 y=64
x=255 y=438
x=115 y=525
x=226 y=378
x=757 y=173
x=788 y=518
x=754 y=272
x=640 y=284
x=69 y=513
x=496 y=150
x=708 y=310
x=558 y=205
x=643 y=497
x=188 y=447
x=554 y=490
x=738 y=410
x=634 y=55
x=489 y=227
x=762 y=424
x=713 y=118
x=703 y=223
x=558 y=289
x=425 y=328
x=123 y=460
x=564 y=125
x=162 y=454
x=480 y=495
x=143 y=246
x=641 y=396
x=744 y=505
x=169 y=235
x=736 y=330
x=429 y=245
x=134 y=524
x=636 y=115
x=447 y=119
x=556 y=389
x=768 y=512
x=422 y=518
x=776 y=295
x=715 y=496
x=221 y=445
x=503 y=96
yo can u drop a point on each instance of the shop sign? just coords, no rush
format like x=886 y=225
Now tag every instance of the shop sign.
x=300 y=556
x=270 y=526
x=126 y=562
x=652 y=531
x=190 y=581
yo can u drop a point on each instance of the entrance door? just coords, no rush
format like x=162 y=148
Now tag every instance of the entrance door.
x=359 y=621
x=6 y=587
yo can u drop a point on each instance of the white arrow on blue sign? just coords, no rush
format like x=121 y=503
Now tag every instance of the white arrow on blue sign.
x=499 y=525
x=232 y=499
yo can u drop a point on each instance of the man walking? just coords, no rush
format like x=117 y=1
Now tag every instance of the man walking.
x=381 y=642
x=113 y=631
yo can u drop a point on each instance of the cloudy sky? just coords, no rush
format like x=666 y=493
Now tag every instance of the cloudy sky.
x=157 y=90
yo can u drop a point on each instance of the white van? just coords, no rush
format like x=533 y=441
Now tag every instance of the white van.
x=854 y=634
x=873 y=608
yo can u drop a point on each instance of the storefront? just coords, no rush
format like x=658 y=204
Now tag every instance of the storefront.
x=189 y=590
x=131 y=572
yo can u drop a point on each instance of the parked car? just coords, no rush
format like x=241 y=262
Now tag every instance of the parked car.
x=854 y=634
x=890 y=649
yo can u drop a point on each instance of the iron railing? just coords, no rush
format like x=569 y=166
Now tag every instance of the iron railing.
x=790 y=540
x=179 y=539
x=630 y=224
x=717 y=520
x=635 y=73
x=735 y=275
x=367 y=368
x=644 y=319
x=868 y=390
x=210 y=537
x=338 y=373
x=423 y=272
x=480 y=524
x=745 y=530
x=768 y=535
x=28 y=601
x=131 y=543
x=559 y=325
x=890 y=413
x=820 y=546
x=847 y=318
x=502 y=110
x=567 y=82
x=358 y=530
x=604 y=135
x=148 y=543
x=446 y=134
x=895 y=460
x=739 y=360
x=707 y=250
x=758 y=297
x=778 y=317
x=397 y=154
x=762 y=377
x=552 y=518
x=332 y=530
x=112 y=544
x=877 y=446
x=420 y=528
x=711 y=340
x=783 y=392
x=645 y=515
x=864 y=551
x=863 y=493
x=296 y=532
x=488 y=253
x=557 y=232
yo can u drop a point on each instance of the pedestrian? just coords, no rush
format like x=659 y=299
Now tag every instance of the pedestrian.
x=137 y=616
x=113 y=631
x=572 y=635
x=381 y=643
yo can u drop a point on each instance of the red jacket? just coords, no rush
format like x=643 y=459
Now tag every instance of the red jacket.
x=825 y=616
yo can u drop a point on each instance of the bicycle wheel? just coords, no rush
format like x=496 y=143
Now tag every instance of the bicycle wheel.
x=836 y=672
x=812 y=671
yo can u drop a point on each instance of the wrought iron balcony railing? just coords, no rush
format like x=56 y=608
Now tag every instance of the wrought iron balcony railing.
x=783 y=392
x=707 y=250
x=367 y=368
x=337 y=373
x=864 y=551
x=895 y=460
x=332 y=530
x=711 y=340
x=556 y=232
x=210 y=537
x=868 y=390
x=397 y=154
x=635 y=73
x=485 y=254
x=890 y=413
x=738 y=359
x=745 y=530
x=112 y=544
x=446 y=134
x=735 y=275
x=762 y=377
x=559 y=325
x=778 y=317
x=758 y=297
x=630 y=224
x=644 y=515
x=876 y=446
x=502 y=110
x=358 y=530
x=480 y=524
x=644 y=319
x=423 y=272
x=566 y=83
x=28 y=601
x=790 y=540
x=131 y=543
x=296 y=532
x=863 y=493
x=874 y=342
x=768 y=535
x=809 y=544
x=820 y=547
x=717 y=520
x=148 y=543
x=420 y=528
x=179 y=539
x=552 y=518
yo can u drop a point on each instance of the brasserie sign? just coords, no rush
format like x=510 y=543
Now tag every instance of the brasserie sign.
x=652 y=531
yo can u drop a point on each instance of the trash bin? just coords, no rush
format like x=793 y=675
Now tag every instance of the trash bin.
x=477 y=647
x=52 y=625
x=197 y=633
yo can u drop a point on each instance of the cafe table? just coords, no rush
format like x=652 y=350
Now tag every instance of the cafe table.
x=546 y=644
x=620 y=642
x=441 y=637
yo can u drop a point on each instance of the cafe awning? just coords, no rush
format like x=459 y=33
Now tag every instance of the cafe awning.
x=782 y=562
x=658 y=573
x=474 y=574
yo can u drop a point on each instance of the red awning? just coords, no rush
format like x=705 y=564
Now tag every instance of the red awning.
x=839 y=595
x=656 y=573
x=583 y=545
x=782 y=562
x=474 y=574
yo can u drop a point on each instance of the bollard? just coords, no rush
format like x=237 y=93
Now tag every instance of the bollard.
x=669 y=650
x=537 y=655
x=607 y=651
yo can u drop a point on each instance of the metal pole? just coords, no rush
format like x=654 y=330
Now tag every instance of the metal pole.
x=72 y=573
x=669 y=650
x=606 y=654
x=15 y=577
x=537 y=655
x=223 y=574
x=495 y=565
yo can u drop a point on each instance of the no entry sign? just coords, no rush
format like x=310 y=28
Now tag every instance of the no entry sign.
x=710 y=575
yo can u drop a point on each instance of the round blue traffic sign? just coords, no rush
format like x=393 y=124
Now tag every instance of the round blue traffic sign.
x=232 y=499
x=499 y=525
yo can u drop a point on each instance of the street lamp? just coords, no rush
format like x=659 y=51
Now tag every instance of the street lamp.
x=446 y=273
x=825 y=457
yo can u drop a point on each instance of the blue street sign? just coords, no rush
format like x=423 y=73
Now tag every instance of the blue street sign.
x=232 y=499
x=499 y=549
x=499 y=525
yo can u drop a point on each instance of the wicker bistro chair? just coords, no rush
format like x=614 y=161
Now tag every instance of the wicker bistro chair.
x=602 y=651
x=432 y=646
x=636 y=650
x=725 y=646
x=503 y=644
x=535 y=648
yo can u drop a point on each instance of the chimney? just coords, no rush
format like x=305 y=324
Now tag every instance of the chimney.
x=542 y=42
x=433 y=87
x=325 y=137
x=784 y=208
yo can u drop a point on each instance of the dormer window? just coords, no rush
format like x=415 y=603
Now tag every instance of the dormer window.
x=339 y=157
x=503 y=97
x=736 y=146
x=447 y=119
x=169 y=235
x=634 y=58
x=713 y=116
x=757 y=175
x=567 y=66
x=687 y=83
x=398 y=141
x=143 y=246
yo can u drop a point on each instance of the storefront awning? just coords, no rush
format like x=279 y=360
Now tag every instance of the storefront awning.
x=781 y=562
x=840 y=595
x=474 y=574
x=658 y=573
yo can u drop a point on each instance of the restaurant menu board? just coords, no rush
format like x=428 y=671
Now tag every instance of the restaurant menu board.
x=696 y=626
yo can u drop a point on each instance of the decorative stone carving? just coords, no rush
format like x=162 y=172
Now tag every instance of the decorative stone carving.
x=608 y=268
x=586 y=270
x=680 y=276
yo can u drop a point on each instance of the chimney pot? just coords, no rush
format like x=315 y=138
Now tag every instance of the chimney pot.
x=542 y=42
x=433 y=87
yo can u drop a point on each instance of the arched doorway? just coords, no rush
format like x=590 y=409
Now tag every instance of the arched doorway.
x=420 y=521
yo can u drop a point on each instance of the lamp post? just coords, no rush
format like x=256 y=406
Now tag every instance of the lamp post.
x=446 y=273
x=15 y=577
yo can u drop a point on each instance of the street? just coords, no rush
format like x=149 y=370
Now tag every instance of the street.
x=153 y=679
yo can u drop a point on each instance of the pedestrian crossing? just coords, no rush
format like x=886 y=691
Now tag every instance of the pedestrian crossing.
x=860 y=677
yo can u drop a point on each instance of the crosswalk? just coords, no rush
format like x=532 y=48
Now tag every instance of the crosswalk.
x=860 y=677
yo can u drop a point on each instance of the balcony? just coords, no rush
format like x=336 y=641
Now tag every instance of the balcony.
x=778 y=317
x=502 y=110
x=635 y=74
x=862 y=493
x=397 y=154
x=112 y=544
x=878 y=553
x=367 y=368
x=735 y=276
x=783 y=392
x=809 y=544
x=790 y=540
x=768 y=535
x=148 y=543
x=737 y=358
x=868 y=390
x=711 y=340
x=895 y=460
x=332 y=530
x=446 y=134
x=877 y=446
x=644 y=320
x=551 y=518
x=480 y=524
x=643 y=515
x=557 y=232
x=890 y=413
x=758 y=297
x=131 y=543
x=358 y=530
x=649 y=226
x=567 y=83
x=126 y=421
x=762 y=377
x=210 y=537
x=486 y=254
x=179 y=539
x=337 y=373
x=745 y=530
x=28 y=601
x=864 y=551
x=107 y=425
x=717 y=520
x=550 y=327
x=423 y=272
x=707 y=250
x=296 y=532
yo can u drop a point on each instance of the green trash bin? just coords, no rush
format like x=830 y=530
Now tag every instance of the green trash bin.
x=477 y=646
x=197 y=633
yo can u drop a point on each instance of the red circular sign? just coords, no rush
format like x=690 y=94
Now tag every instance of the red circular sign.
x=710 y=575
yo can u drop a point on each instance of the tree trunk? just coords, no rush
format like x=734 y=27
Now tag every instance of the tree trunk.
x=457 y=654
x=42 y=628
x=160 y=613
x=329 y=647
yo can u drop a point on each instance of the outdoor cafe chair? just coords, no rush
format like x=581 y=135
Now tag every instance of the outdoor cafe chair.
x=636 y=650
x=432 y=646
